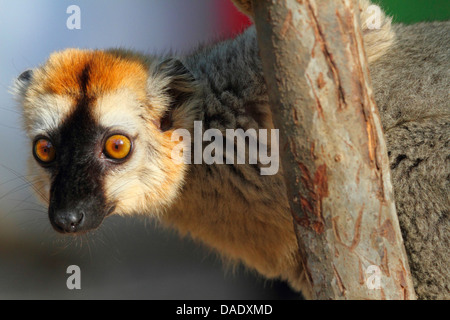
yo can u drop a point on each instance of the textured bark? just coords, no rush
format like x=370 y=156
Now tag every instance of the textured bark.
x=332 y=148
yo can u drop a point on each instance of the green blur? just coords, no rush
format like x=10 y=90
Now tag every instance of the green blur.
x=410 y=11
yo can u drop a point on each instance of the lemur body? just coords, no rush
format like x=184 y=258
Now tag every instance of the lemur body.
x=80 y=99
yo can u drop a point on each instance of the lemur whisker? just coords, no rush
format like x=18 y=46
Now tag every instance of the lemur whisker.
x=23 y=201
x=11 y=127
x=11 y=110
x=34 y=203
x=15 y=178
x=28 y=183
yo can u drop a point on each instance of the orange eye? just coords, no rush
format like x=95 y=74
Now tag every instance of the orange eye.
x=44 y=150
x=117 y=147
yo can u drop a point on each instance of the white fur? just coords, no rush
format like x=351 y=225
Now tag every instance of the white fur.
x=47 y=113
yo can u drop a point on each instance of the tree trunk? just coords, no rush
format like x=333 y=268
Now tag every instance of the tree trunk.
x=332 y=149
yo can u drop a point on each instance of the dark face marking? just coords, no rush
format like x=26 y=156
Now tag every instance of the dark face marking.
x=77 y=201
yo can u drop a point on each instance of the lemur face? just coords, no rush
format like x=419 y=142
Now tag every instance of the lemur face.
x=94 y=123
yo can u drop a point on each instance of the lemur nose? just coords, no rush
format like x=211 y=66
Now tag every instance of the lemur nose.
x=69 y=221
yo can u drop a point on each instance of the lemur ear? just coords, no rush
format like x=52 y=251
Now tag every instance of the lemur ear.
x=22 y=82
x=180 y=87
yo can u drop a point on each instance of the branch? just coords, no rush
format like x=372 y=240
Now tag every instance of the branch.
x=332 y=147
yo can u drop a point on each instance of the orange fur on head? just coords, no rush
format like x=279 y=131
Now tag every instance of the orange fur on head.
x=107 y=73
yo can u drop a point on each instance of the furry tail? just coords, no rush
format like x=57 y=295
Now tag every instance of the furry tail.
x=377 y=30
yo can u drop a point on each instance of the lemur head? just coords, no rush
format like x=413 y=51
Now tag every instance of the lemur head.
x=100 y=125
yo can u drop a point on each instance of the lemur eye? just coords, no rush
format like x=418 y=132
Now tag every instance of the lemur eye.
x=44 y=151
x=117 y=147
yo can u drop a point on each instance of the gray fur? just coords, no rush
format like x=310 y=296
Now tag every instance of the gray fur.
x=412 y=90
x=232 y=78
x=411 y=83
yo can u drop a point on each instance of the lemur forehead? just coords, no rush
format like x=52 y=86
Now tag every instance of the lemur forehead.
x=92 y=73
x=95 y=80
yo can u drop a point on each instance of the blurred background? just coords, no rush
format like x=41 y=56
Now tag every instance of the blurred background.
x=127 y=258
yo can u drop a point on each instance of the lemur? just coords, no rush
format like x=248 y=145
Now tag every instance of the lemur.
x=101 y=125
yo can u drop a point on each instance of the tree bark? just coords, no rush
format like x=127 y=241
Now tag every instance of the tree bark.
x=332 y=148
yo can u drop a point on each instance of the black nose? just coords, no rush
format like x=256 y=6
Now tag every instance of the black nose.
x=68 y=220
